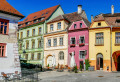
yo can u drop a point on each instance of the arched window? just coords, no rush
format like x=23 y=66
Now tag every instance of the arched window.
x=61 y=55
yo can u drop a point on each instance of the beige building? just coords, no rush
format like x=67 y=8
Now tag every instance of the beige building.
x=56 y=43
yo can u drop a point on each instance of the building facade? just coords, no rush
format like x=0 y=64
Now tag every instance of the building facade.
x=104 y=42
x=31 y=31
x=9 y=57
x=78 y=40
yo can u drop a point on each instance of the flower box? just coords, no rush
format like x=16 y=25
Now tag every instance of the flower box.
x=82 y=44
x=72 y=45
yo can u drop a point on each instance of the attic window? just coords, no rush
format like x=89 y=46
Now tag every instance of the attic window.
x=46 y=12
x=19 y=25
x=118 y=21
x=35 y=21
x=99 y=24
x=42 y=18
x=35 y=16
x=26 y=19
x=42 y=14
x=27 y=23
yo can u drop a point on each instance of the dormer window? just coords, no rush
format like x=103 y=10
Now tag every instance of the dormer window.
x=99 y=24
x=27 y=23
x=59 y=25
x=19 y=25
x=80 y=25
x=75 y=26
x=35 y=21
x=118 y=21
x=42 y=18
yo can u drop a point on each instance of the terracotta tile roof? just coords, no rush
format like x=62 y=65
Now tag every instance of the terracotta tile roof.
x=39 y=16
x=5 y=7
x=71 y=17
x=109 y=18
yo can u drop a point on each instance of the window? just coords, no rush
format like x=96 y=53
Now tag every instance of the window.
x=80 y=25
x=27 y=23
x=2 y=49
x=4 y=26
x=99 y=24
x=75 y=26
x=59 y=25
x=40 y=30
x=17 y=35
x=118 y=21
x=49 y=42
x=32 y=56
x=39 y=56
x=20 y=46
x=26 y=56
x=33 y=44
x=39 y=43
x=21 y=35
x=55 y=42
x=72 y=40
x=82 y=39
x=33 y=32
x=27 y=33
x=51 y=27
x=61 y=55
x=82 y=54
x=99 y=38
x=61 y=41
x=35 y=21
x=117 y=38
x=27 y=44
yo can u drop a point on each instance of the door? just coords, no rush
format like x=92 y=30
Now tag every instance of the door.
x=99 y=62
x=118 y=63
x=49 y=61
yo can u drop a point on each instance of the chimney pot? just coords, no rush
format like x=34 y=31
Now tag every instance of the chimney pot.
x=112 y=9
x=79 y=9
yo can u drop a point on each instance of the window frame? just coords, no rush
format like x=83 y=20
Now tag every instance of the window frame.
x=80 y=54
x=5 y=21
x=39 y=32
x=75 y=26
x=1 y=48
x=32 y=56
x=80 y=40
x=39 y=44
x=28 y=32
x=71 y=40
x=48 y=43
x=59 y=25
x=98 y=40
x=27 y=44
x=61 y=56
x=54 y=42
x=81 y=25
x=33 y=41
x=33 y=34
x=62 y=41
x=118 y=38
x=38 y=56
x=52 y=27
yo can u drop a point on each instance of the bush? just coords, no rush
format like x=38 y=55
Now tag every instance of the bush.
x=81 y=67
x=87 y=64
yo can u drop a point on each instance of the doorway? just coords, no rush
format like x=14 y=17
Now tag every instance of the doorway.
x=118 y=63
x=99 y=62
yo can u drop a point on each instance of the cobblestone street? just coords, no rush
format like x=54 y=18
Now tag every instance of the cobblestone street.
x=94 y=76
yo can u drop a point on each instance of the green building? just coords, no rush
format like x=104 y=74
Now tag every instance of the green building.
x=31 y=31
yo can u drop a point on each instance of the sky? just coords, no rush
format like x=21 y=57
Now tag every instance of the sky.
x=91 y=7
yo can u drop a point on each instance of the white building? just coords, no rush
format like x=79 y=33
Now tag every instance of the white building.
x=9 y=59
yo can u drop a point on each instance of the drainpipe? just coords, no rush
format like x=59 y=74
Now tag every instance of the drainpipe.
x=111 y=47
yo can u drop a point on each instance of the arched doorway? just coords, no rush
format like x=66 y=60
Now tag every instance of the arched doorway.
x=118 y=63
x=99 y=61
x=49 y=61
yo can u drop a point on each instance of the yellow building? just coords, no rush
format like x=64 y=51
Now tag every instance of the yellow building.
x=104 y=42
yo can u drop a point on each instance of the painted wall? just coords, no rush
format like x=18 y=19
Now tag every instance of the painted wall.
x=95 y=24
x=77 y=35
x=10 y=63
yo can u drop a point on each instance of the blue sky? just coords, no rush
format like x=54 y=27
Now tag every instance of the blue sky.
x=91 y=7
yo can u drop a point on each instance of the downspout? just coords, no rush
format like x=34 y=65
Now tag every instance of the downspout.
x=111 y=47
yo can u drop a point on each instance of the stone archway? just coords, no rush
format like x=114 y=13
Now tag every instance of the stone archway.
x=48 y=58
x=116 y=58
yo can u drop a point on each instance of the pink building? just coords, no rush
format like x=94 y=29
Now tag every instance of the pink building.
x=78 y=37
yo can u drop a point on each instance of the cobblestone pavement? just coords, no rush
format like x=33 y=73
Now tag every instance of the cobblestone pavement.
x=94 y=76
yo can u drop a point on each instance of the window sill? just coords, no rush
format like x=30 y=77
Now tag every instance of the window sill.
x=117 y=44
x=99 y=44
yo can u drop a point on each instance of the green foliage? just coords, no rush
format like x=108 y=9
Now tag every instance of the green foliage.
x=81 y=67
x=87 y=63
x=75 y=69
x=48 y=65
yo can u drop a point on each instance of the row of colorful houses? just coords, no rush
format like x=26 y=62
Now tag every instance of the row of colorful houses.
x=50 y=34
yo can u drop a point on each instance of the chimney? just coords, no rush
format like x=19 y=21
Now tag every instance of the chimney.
x=92 y=19
x=79 y=9
x=112 y=9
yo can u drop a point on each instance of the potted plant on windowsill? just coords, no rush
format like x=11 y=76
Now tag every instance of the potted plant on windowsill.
x=81 y=44
x=72 y=45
